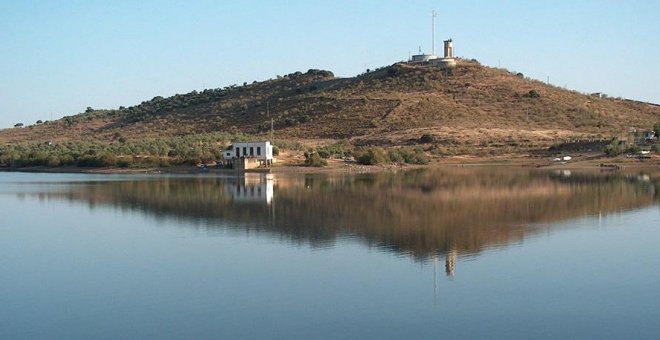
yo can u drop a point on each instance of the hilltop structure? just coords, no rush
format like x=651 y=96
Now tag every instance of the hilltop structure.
x=448 y=61
x=433 y=59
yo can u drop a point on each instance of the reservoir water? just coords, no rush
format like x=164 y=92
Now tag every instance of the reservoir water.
x=463 y=253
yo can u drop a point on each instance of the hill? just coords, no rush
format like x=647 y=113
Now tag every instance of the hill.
x=472 y=109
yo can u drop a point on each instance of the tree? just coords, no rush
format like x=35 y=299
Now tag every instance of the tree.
x=656 y=129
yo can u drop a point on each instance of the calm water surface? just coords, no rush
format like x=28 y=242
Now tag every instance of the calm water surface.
x=460 y=253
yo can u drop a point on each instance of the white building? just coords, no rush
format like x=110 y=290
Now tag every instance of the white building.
x=423 y=58
x=249 y=154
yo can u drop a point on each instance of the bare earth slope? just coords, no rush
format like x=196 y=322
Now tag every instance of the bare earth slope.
x=472 y=105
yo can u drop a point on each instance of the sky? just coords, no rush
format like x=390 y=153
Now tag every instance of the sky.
x=59 y=57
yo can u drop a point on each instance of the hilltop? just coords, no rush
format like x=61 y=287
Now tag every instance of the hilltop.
x=472 y=109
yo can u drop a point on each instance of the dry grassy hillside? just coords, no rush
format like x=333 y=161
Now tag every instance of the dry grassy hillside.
x=470 y=106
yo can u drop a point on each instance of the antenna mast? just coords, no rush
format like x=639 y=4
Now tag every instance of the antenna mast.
x=433 y=15
x=271 y=120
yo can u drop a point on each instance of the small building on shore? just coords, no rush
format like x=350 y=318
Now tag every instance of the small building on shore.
x=249 y=155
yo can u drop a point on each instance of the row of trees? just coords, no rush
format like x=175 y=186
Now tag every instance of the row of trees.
x=191 y=149
x=366 y=156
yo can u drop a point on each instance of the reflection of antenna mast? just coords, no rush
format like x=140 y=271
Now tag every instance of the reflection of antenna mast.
x=433 y=15
x=435 y=280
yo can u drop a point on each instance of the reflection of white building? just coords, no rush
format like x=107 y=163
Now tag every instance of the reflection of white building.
x=251 y=189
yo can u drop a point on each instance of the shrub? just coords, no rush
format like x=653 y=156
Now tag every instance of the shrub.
x=341 y=149
x=395 y=156
x=324 y=153
x=371 y=156
x=533 y=94
x=426 y=138
x=414 y=156
x=615 y=148
x=312 y=158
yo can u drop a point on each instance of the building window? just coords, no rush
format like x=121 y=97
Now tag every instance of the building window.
x=251 y=151
x=258 y=151
x=244 y=151
x=238 y=152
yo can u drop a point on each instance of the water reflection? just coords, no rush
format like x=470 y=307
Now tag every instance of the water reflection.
x=427 y=214
x=255 y=189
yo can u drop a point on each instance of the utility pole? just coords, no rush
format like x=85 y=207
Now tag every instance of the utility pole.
x=433 y=15
x=271 y=119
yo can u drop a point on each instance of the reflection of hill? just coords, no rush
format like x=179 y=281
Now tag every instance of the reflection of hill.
x=419 y=212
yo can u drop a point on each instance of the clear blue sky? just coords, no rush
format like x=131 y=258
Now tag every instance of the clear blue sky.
x=58 y=57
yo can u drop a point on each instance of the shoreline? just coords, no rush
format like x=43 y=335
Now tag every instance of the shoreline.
x=586 y=162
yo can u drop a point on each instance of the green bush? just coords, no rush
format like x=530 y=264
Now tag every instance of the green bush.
x=615 y=148
x=414 y=156
x=395 y=156
x=313 y=158
x=324 y=153
x=341 y=149
x=372 y=156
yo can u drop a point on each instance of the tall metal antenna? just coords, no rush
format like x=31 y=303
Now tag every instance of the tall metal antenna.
x=271 y=119
x=433 y=15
